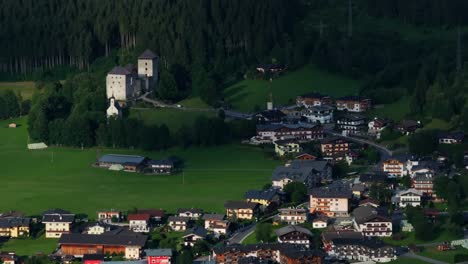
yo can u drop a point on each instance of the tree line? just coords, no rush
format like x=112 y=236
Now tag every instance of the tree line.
x=12 y=105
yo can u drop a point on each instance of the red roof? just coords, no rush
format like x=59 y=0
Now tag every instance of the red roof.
x=138 y=217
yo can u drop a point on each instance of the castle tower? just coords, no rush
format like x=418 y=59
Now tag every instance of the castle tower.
x=148 y=68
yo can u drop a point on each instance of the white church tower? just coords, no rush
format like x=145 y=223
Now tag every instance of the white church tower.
x=148 y=68
x=114 y=108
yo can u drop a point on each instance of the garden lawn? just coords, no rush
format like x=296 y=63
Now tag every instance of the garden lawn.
x=411 y=240
x=30 y=246
x=25 y=88
x=247 y=94
x=194 y=102
x=34 y=181
x=395 y=111
x=437 y=124
x=445 y=256
x=173 y=118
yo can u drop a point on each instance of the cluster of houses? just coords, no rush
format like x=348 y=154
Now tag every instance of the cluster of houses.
x=132 y=163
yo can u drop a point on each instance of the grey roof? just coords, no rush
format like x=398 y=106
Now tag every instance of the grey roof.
x=197 y=230
x=331 y=192
x=261 y=194
x=373 y=178
x=292 y=228
x=104 y=239
x=365 y=213
x=358 y=187
x=147 y=54
x=119 y=70
x=426 y=164
x=239 y=205
x=213 y=217
x=299 y=170
x=352 y=117
x=158 y=252
x=178 y=219
x=58 y=218
x=121 y=159
x=8 y=222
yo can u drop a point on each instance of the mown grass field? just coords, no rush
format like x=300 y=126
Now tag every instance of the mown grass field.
x=34 y=181
x=411 y=240
x=173 y=118
x=247 y=94
x=25 y=88
x=30 y=246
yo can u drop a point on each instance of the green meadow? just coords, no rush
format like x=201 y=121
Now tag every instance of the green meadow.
x=247 y=94
x=34 y=181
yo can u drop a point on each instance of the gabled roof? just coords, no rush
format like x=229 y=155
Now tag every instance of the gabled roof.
x=457 y=135
x=9 y=222
x=411 y=191
x=352 y=98
x=332 y=235
x=217 y=217
x=351 y=117
x=197 y=231
x=333 y=139
x=178 y=219
x=271 y=114
x=147 y=55
x=152 y=212
x=119 y=70
x=56 y=211
x=240 y=205
x=104 y=239
x=293 y=228
x=58 y=218
x=422 y=177
x=122 y=159
x=331 y=192
x=368 y=242
x=158 y=252
x=138 y=217
x=275 y=127
x=267 y=195
x=369 y=201
x=367 y=213
x=373 y=178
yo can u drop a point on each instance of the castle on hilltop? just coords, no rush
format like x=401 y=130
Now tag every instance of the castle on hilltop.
x=126 y=84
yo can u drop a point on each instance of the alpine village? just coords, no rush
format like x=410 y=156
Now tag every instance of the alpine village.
x=233 y=132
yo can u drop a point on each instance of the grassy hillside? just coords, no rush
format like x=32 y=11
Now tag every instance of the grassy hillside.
x=63 y=177
x=173 y=118
x=395 y=111
x=25 y=88
x=247 y=94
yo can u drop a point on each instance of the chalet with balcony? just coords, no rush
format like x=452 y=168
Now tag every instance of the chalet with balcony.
x=332 y=201
x=293 y=216
x=108 y=215
x=334 y=148
x=424 y=183
x=216 y=223
x=294 y=234
x=408 y=127
x=178 y=223
x=139 y=223
x=193 y=235
x=263 y=197
x=241 y=209
x=286 y=146
x=57 y=222
x=371 y=221
x=313 y=99
x=322 y=114
x=14 y=227
x=351 y=124
x=302 y=132
x=353 y=104
x=410 y=197
x=376 y=126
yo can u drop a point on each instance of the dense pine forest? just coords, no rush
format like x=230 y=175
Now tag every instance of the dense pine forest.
x=204 y=45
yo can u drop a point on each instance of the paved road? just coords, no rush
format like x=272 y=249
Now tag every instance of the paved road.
x=425 y=259
x=240 y=235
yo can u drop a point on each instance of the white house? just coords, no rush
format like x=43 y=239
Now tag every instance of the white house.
x=57 y=222
x=97 y=229
x=139 y=222
x=285 y=146
x=216 y=223
x=411 y=197
x=293 y=216
x=372 y=222
x=322 y=114
x=376 y=126
x=114 y=108
x=192 y=213
x=178 y=223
